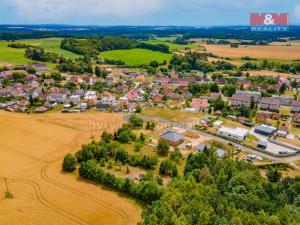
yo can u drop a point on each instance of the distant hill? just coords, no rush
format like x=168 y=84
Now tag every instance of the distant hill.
x=13 y=32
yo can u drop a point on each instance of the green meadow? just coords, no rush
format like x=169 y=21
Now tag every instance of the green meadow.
x=16 y=56
x=136 y=56
x=51 y=45
x=172 y=46
x=12 y=55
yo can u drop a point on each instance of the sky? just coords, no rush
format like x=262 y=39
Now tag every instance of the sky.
x=142 y=12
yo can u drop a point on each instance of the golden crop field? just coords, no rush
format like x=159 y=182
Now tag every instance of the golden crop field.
x=31 y=151
x=256 y=51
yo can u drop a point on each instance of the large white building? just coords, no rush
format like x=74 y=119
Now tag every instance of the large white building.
x=235 y=133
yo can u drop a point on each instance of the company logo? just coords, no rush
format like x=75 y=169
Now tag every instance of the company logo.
x=269 y=22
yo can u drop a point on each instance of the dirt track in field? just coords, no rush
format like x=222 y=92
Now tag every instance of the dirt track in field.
x=31 y=152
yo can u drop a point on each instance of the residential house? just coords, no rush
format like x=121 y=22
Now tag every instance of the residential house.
x=49 y=81
x=220 y=81
x=284 y=80
x=214 y=96
x=162 y=80
x=75 y=79
x=238 y=100
x=157 y=98
x=87 y=79
x=295 y=106
x=296 y=120
x=91 y=97
x=245 y=83
x=172 y=137
x=57 y=97
x=269 y=103
x=135 y=95
x=200 y=104
x=37 y=66
x=256 y=95
x=284 y=100
x=109 y=100
x=75 y=99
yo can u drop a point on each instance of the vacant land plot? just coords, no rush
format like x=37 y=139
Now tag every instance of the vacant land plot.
x=31 y=152
x=136 y=56
x=259 y=52
x=174 y=115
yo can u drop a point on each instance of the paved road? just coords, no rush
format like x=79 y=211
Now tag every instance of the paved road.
x=287 y=159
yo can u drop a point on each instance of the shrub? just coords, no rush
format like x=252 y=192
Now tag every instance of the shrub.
x=163 y=148
x=69 y=163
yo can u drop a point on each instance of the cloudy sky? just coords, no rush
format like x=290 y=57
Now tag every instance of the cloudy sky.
x=141 y=12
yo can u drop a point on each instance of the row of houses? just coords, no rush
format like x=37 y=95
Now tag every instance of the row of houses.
x=273 y=103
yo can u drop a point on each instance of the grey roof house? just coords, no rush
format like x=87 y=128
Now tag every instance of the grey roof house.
x=172 y=137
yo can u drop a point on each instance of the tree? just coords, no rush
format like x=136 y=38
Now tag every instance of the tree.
x=98 y=71
x=163 y=148
x=214 y=87
x=168 y=167
x=282 y=88
x=136 y=121
x=104 y=74
x=69 y=163
x=121 y=155
x=138 y=109
x=176 y=155
x=142 y=137
x=138 y=146
x=107 y=137
x=273 y=175
x=154 y=64
x=31 y=70
x=229 y=90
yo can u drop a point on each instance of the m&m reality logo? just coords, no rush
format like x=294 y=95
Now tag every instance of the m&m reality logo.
x=269 y=22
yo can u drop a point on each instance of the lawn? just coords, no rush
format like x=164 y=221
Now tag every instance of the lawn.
x=136 y=56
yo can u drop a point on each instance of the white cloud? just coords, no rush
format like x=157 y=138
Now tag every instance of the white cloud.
x=56 y=9
x=297 y=12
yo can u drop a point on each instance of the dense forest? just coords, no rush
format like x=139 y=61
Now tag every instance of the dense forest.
x=226 y=192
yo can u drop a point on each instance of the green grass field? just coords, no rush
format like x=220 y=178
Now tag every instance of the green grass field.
x=136 y=56
x=12 y=55
x=16 y=56
x=51 y=45
x=172 y=46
